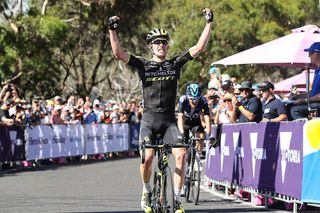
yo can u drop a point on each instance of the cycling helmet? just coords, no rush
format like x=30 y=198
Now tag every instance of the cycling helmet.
x=157 y=33
x=193 y=91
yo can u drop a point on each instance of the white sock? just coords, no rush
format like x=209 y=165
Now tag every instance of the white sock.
x=146 y=188
x=177 y=193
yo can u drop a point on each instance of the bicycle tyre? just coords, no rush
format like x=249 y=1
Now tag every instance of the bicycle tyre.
x=155 y=199
x=194 y=184
x=188 y=177
x=168 y=192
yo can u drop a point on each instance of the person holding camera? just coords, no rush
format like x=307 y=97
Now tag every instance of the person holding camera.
x=212 y=97
x=225 y=110
x=309 y=102
x=9 y=92
x=248 y=106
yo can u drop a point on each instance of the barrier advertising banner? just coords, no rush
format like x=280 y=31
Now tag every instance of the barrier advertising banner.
x=54 y=141
x=311 y=162
x=101 y=138
x=264 y=156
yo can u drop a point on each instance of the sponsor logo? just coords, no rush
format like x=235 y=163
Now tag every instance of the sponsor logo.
x=146 y=139
x=224 y=149
x=75 y=139
x=165 y=78
x=91 y=138
x=120 y=136
x=38 y=141
x=56 y=139
x=257 y=153
x=287 y=155
x=238 y=150
x=165 y=73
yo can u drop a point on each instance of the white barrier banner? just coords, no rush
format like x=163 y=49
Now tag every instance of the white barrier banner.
x=54 y=141
x=101 y=138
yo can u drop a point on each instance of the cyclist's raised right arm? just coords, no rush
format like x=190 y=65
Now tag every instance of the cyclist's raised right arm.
x=115 y=44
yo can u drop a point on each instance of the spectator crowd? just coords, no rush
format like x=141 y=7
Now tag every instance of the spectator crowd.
x=228 y=101
x=17 y=111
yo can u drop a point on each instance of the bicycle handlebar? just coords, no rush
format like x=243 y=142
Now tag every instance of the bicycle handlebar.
x=160 y=146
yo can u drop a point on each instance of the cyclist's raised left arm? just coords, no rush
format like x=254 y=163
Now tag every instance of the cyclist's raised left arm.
x=205 y=35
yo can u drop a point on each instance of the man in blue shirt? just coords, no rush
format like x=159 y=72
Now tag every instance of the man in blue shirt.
x=273 y=109
x=300 y=108
x=249 y=108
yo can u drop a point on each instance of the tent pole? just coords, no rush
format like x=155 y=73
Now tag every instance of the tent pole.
x=307 y=86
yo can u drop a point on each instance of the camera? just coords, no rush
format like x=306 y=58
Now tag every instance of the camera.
x=239 y=98
x=213 y=97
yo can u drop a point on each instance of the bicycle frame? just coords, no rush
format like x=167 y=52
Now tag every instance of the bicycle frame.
x=193 y=172
x=162 y=190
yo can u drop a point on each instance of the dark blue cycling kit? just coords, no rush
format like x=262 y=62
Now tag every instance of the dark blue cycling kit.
x=192 y=115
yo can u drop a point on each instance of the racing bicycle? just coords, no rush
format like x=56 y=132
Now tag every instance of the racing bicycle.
x=162 y=199
x=193 y=175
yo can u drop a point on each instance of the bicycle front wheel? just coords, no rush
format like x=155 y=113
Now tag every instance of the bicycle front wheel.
x=168 y=192
x=194 y=178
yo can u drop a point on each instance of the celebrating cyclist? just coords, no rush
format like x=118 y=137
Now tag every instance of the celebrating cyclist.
x=159 y=77
x=193 y=109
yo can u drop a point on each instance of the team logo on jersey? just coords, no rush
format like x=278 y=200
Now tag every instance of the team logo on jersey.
x=161 y=78
x=146 y=139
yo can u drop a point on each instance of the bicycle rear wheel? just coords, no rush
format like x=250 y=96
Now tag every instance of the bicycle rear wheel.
x=168 y=192
x=193 y=185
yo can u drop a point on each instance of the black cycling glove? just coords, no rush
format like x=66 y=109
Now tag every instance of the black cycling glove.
x=208 y=15
x=113 y=24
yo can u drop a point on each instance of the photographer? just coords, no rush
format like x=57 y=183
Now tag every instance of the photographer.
x=38 y=111
x=213 y=101
x=9 y=92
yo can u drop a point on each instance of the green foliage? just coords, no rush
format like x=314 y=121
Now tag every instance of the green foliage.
x=66 y=50
x=238 y=25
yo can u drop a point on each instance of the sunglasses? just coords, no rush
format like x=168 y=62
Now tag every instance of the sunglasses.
x=158 y=42
x=228 y=100
x=194 y=99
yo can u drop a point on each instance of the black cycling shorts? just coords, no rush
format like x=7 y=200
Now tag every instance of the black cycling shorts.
x=159 y=125
x=194 y=128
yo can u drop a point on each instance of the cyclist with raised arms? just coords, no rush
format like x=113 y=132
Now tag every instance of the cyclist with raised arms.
x=193 y=108
x=159 y=77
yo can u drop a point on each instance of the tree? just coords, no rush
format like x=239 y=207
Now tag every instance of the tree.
x=238 y=25
x=62 y=47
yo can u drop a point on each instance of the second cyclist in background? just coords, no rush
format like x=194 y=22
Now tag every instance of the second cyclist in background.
x=194 y=115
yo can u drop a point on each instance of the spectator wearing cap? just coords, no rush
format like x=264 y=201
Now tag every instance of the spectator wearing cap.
x=57 y=100
x=97 y=110
x=114 y=116
x=227 y=87
x=300 y=108
x=273 y=109
x=214 y=77
x=249 y=108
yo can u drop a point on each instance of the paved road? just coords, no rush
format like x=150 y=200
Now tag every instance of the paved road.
x=100 y=187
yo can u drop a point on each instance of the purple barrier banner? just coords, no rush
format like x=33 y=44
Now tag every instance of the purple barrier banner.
x=11 y=143
x=264 y=156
